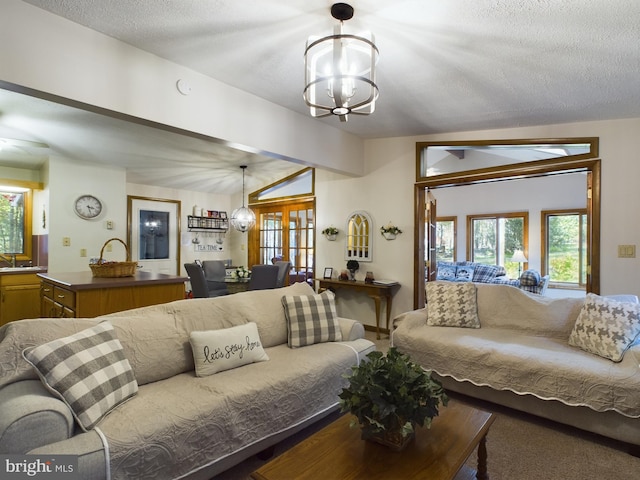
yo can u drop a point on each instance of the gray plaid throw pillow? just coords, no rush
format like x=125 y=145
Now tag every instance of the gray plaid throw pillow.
x=87 y=370
x=606 y=327
x=311 y=319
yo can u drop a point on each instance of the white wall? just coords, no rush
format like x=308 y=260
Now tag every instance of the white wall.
x=57 y=56
x=522 y=195
x=187 y=200
x=63 y=58
x=67 y=181
x=386 y=192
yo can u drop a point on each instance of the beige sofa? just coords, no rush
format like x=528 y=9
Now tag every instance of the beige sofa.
x=179 y=425
x=520 y=357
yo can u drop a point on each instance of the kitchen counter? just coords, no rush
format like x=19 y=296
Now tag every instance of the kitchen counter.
x=21 y=270
x=80 y=294
x=86 y=281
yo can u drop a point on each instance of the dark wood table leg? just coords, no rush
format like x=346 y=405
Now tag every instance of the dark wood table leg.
x=482 y=474
x=388 y=297
x=376 y=299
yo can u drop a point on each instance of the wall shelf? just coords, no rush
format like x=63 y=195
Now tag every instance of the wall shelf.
x=207 y=224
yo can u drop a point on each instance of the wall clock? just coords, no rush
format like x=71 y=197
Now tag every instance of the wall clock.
x=87 y=206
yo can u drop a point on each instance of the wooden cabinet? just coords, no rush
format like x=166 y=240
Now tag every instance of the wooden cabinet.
x=56 y=301
x=79 y=294
x=19 y=294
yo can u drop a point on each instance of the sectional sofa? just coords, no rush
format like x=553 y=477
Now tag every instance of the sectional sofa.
x=572 y=360
x=181 y=390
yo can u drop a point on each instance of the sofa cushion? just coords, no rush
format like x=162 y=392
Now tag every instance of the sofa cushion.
x=311 y=319
x=184 y=423
x=218 y=350
x=484 y=273
x=446 y=271
x=530 y=278
x=502 y=306
x=606 y=327
x=504 y=280
x=452 y=304
x=464 y=273
x=87 y=370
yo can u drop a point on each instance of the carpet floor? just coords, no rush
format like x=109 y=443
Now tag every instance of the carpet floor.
x=519 y=447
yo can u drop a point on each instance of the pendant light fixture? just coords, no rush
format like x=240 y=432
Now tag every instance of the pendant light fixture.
x=340 y=71
x=243 y=218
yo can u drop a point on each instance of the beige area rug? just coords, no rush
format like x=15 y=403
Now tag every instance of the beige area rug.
x=521 y=447
x=526 y=447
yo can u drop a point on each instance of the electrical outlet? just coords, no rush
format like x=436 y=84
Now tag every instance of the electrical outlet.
x=109 y=224
x=66 y=241
x=83 y=252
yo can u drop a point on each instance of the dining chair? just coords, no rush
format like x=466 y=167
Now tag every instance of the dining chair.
x=196 y=278
x=214 y=273
x=284 y=266
x=263 y=277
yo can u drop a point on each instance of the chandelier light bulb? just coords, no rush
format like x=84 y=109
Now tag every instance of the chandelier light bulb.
x=340 y=71
x=243 y=218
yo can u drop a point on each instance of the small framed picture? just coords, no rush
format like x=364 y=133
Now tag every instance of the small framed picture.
x=214 y=214
x=223 y=215
x=328 y=271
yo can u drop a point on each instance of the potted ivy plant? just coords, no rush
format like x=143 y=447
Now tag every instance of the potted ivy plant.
x=390 y=231
x=390 y=395
x=330 y=233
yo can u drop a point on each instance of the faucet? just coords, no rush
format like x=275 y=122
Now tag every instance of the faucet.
x=11 y=260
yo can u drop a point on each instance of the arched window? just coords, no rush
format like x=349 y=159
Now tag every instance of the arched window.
x=359 y=237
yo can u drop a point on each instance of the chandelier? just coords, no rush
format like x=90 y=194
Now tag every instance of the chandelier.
x=243 y=218
x=340 y=71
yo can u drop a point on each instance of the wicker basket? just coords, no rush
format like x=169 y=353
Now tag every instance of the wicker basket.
x=114 y=269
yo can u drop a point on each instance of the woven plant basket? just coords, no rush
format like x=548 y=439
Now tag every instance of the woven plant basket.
x=114 y=269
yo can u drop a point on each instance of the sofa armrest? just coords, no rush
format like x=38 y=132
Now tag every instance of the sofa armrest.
x=351 y=329
x=89 y=450
x=27 y=407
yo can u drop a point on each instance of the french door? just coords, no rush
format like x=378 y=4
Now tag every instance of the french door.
x=285 y=231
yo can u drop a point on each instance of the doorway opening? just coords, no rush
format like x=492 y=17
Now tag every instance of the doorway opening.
x=486 y=162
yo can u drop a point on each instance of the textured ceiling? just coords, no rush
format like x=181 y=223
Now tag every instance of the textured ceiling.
x=444 y=66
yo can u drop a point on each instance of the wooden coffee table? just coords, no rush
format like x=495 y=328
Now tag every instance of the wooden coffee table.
x=337 y=452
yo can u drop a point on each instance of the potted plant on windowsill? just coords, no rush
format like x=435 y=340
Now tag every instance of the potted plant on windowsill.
x=389 y=396
x=331 y=233
x=390 y=231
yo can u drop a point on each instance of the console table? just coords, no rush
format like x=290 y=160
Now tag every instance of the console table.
x=376 y=291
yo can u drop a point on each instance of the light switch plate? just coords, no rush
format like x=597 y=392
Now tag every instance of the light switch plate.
x=626 y=251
